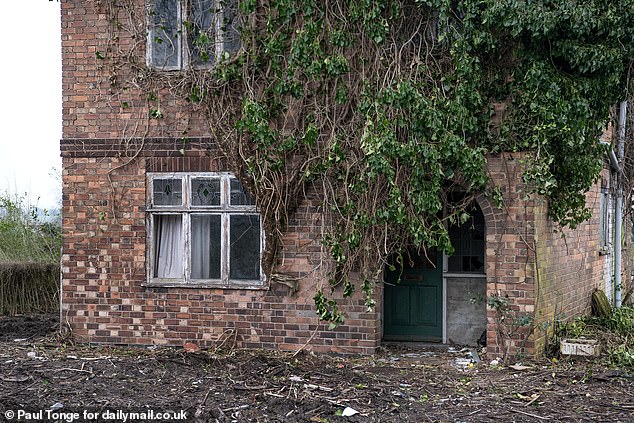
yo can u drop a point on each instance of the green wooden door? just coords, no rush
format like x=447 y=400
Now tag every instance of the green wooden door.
x=413 y=305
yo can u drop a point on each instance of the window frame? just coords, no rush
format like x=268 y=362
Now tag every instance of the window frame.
x=184 y=55
x=605 y=241
x=186 y=209
x=474 y=214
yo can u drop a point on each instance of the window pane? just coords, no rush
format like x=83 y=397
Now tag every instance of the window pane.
x=164 y=34
x=201 y=29
x=239 y=197
x=168 y=246
x=230 y=26
x=603 y=217
x=244 y=262
x=469 y=243
x=205 y=192
x=167 y=192
x=206 y=246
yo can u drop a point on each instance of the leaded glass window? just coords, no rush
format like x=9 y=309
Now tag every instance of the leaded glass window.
x=205 y=230
x=196 y=33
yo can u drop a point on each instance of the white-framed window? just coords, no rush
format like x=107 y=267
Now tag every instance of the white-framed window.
x=204 y=229
x=183 y=33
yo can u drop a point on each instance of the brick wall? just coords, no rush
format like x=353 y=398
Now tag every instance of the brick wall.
x=100 y=91
x=568 y=267
x=542 y=270
x=110 y=143
x=104 y=296
x=510 y=253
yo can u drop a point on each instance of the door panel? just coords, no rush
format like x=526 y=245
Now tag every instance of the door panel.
x=413 y=299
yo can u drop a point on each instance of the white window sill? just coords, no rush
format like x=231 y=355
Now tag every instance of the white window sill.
x=254 y=285
x=455 y=274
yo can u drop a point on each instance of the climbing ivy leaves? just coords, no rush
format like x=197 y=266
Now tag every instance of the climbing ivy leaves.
x=393 y=101
x=383 y=105
x=571 y=64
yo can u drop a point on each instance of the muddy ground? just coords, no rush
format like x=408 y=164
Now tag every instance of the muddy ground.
x=42 y=372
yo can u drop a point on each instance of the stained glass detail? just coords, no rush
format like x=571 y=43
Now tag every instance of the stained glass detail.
x=201 y=32
x=205 y=192
x=164 y=34
x=167 y=192
x=230 y=26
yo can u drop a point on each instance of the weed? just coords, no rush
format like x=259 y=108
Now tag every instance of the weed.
x=613 y=331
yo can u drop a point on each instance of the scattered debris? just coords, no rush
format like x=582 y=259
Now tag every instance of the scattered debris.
x=191 y=347
x=519 y=367
x=348 y=412
x=580 y=347
x=400 y=384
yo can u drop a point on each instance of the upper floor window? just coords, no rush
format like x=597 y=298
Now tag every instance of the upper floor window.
x=204 y=230
x=183 y=33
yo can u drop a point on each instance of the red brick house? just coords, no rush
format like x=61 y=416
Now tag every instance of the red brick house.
x=163 y=245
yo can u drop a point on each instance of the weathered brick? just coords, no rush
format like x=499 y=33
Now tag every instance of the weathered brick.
x=104 y=223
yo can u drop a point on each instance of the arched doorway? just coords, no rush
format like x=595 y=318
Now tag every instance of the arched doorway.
x=433 y=297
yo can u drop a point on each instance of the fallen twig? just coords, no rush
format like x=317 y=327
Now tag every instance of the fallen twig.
x=307 y=342
x=470 y=414
x=249 y=388
x=273 y=394
x=14 y=393
x=530 y=414
x=70 y=370
x=532 y=401
x=321 y=388
x=240 y=407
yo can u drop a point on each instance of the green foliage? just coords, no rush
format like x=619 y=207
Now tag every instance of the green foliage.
x=392 y=125
x=614 y=332
x=575 y=328
x=620 y=321
x=506 y=314
x=511 y=324
x=328 y=310
x=386 y=104
x=28 y=234
x=570 y=63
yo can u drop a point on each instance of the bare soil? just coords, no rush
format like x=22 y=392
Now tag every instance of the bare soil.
x=40 y=370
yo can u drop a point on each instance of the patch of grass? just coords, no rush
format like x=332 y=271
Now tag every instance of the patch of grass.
x=30 y=247
x=28 y=234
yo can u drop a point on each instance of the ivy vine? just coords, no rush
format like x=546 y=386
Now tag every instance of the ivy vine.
x=384 y=105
